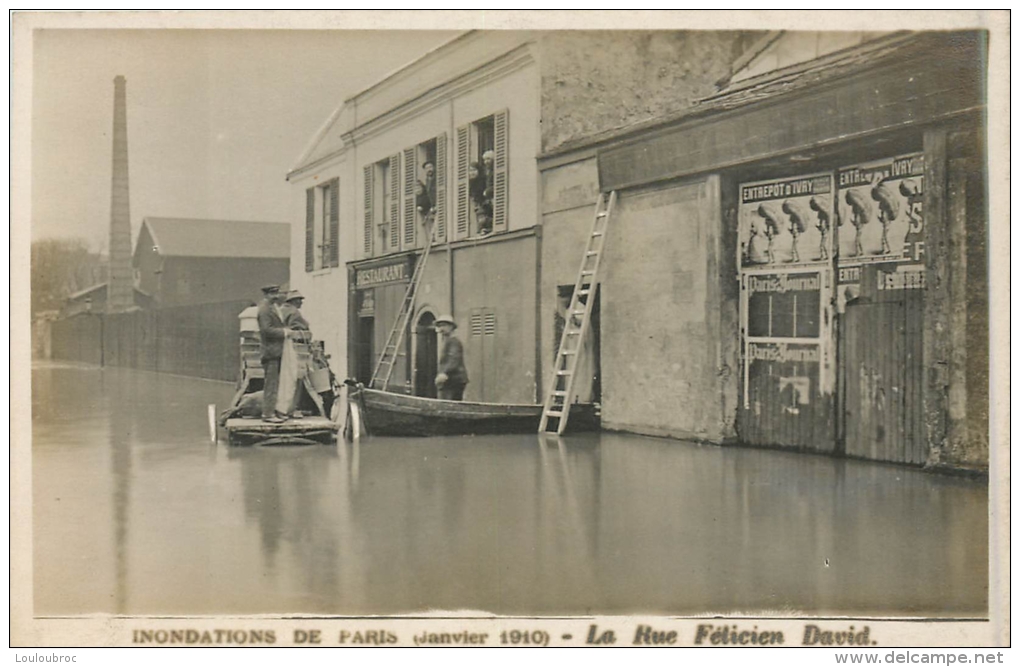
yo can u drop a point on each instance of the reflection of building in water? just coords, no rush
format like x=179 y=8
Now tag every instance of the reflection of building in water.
x=441 y=526
x=752 y=532
x=291 y=493
x=568 y=524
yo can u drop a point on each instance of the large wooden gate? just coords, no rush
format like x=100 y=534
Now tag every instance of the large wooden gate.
x=831 y=294
x=882 y=362
x=880 y=281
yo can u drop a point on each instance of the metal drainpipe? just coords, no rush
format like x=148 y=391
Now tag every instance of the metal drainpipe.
x=449 y=276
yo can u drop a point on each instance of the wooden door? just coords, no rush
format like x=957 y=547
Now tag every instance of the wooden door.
x=882 y=379
x=365 y=347
x=426 y=360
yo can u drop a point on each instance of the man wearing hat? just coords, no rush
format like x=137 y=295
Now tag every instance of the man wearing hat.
x=293 y=319
x=295 y=329
x=452 y=377
x=271 y=336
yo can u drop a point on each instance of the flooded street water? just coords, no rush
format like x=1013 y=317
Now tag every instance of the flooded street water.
x=136 y=512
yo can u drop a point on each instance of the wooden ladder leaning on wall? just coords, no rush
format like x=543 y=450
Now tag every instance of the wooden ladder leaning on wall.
x=391 y=351
x=578 y=318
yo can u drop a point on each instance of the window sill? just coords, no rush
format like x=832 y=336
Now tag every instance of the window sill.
x=320 y=272
x=495 y=237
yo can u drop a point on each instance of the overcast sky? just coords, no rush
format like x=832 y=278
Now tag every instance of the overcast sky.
x=215 y=117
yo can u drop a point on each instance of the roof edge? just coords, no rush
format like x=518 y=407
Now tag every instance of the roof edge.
x=408 y=65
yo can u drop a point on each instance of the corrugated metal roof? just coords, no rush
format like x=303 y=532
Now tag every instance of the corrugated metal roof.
x=180 y=237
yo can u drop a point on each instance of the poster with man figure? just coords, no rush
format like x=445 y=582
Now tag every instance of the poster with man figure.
x=786 y=222
x=880 y=211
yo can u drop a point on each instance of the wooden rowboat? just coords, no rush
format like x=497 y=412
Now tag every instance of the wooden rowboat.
x=386 y=413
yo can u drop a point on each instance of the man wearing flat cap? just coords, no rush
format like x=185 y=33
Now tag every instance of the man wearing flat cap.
x=292 y=317
x=271 y=336
x=452 y=377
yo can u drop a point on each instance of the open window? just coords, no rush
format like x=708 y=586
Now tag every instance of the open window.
x=482 y=176
x=322 y=226
x=400 y=203
x=424 y=192
x=382 y=207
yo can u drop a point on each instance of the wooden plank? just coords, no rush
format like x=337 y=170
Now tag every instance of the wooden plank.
x=294 y=426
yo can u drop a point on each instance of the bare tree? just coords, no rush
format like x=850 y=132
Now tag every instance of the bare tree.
x=61 y=267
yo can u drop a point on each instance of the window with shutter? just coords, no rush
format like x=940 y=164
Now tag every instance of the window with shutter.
x=322 y=224
x=410 y=177
x=500 y=213
x=483 y=350
x=310 y=229
x=334 y=223
x=483 y=176
x=369 y=187
x=394 y=201
x=463 y=157
x=439 y=224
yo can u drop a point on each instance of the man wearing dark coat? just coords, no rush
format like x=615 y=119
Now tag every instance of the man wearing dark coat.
x=293 y=319
x=452 y=377
x=271 y=336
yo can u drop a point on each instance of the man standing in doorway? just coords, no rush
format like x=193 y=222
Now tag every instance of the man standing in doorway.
x=452 y=377
x=271 y=336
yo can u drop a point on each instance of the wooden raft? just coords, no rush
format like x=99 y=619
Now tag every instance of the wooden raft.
x=303 y=431
x=248 y=431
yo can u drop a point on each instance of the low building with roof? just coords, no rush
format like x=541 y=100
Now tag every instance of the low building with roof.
x=186 y=261
x=94 y=300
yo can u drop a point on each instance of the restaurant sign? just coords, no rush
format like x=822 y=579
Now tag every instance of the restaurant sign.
x=393 y=272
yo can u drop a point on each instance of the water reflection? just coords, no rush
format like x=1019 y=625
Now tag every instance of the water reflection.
x=137 y=513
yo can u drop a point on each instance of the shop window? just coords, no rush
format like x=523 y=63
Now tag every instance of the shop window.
x=382 y=206
x=482 y=176
x=322 y=226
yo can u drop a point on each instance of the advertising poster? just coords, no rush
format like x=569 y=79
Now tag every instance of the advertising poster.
x=785 y=330
x=786 y=222
x=783 y=376
x=880 y=212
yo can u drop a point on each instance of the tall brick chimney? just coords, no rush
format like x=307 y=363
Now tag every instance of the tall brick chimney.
x=121 y=279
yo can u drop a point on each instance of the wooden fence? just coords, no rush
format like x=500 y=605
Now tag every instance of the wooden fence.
x=199 y=340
